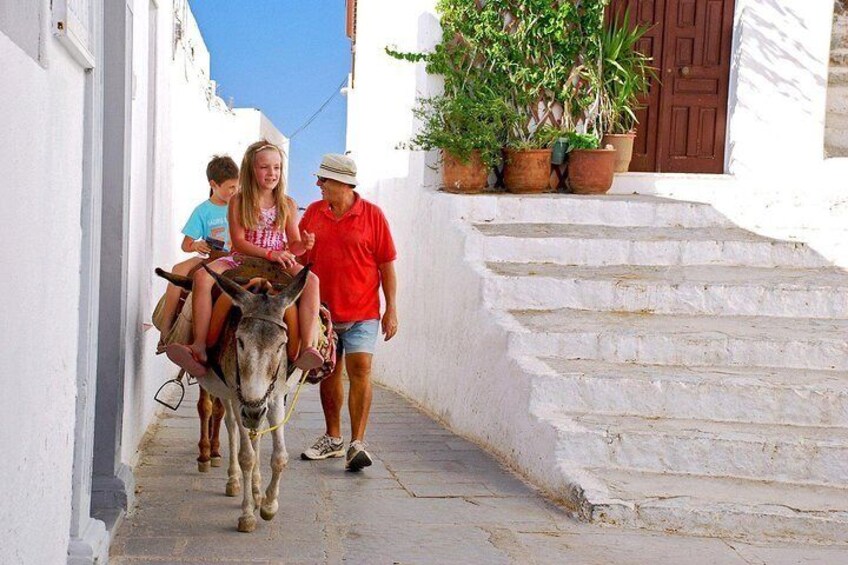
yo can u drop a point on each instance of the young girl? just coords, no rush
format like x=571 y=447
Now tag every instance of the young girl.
x=263 y=223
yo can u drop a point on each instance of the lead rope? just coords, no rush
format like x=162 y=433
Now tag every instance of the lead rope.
x=257 y=433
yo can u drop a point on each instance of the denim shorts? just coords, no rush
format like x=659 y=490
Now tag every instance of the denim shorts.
x=357 y=337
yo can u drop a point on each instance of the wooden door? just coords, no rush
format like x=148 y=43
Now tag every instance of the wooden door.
x=650 y=13
x=683 y=126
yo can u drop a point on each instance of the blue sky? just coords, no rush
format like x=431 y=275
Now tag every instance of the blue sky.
x=285 y=57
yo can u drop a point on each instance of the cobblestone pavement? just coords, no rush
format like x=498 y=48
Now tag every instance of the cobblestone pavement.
x=430 y=497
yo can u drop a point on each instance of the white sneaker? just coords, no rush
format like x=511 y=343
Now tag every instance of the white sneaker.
x=324 y=448
x=357 y=457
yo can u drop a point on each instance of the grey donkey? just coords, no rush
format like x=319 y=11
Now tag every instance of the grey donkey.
x=249 y=372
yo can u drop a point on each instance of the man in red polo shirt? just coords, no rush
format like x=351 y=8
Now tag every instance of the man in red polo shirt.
x=353 y=257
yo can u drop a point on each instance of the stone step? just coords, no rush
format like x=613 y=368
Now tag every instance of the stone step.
x=798 y=454
x=839 y=57
x=607 y=245
x=719 y=506
x=837 y=99
x=607 y=209
x=837 y=76
x=695 y=289
x=763 y=395
x=634 y=337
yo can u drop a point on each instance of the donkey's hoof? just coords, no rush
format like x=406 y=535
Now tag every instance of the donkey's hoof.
x=233 y=488
x=215 y=461
x=203 y=466
x=268 y=511
x=246 y=524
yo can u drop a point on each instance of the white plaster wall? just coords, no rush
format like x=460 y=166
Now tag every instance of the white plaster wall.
x=778 y=86
x=193 y=124
x=440 y=300
x=41 y=151
x=779 y=185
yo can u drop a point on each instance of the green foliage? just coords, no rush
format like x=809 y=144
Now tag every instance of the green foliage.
x=536 y=60
x=576 y=140
x=460 y=125
x=626 y=74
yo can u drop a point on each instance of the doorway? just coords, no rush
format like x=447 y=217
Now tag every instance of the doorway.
x=683 y=124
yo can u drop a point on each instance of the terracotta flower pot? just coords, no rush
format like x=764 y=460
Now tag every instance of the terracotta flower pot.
x=464 y=178
x=623 y=144
x=527 y=171
x=590 y=171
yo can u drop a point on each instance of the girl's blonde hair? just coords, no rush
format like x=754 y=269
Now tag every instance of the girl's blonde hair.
x=249 y=194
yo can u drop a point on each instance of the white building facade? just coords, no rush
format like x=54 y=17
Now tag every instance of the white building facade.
x=503 y=342
x=109 y=120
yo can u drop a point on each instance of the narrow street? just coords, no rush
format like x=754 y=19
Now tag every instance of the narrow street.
x=430 y=497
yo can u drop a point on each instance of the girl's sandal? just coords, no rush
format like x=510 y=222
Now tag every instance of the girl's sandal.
x=309 y=359
x=183 y=357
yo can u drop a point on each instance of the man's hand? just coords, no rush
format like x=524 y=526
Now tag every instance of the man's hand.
x=308 y=240
x=390 y=323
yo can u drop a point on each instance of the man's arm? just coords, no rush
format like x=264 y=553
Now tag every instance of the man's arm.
x=389 y=284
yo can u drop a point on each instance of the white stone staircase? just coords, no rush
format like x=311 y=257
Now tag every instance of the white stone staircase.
x=836 y=126
x=694 y=375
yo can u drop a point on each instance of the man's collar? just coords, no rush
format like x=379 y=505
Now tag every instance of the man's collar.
x=355 y=210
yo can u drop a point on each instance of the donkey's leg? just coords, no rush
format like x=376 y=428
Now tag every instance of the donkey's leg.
x=233 y=470
x=215 y=432
x=257 y=475
x=204 y=410
x=279 y=458
x=247 y=461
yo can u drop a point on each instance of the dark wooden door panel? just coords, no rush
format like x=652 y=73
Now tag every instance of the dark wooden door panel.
x=696 y=70
x=649 y=13
x=683 y=122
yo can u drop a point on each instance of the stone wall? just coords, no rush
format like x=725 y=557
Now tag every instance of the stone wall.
x=836 y=132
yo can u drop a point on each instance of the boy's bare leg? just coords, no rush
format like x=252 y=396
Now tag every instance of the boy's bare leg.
x=172 y=298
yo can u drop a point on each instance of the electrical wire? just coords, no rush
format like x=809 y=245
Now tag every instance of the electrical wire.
x=319 y=110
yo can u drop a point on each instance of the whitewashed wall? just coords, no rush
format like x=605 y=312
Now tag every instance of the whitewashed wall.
x=193 y=125
x=778 y=184
x=177 y=124
x=41 y=142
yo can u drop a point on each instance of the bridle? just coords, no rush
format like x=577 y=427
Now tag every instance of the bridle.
x=217 y=368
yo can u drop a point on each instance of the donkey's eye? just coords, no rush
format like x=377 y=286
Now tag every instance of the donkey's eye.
x=240 y=343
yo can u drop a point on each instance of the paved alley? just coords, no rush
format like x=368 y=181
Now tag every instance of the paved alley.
x=430 y=497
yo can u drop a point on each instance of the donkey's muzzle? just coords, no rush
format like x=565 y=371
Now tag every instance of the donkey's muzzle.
x=252 y=417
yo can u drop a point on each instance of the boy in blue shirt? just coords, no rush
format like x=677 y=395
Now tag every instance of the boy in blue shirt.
x=206 y=227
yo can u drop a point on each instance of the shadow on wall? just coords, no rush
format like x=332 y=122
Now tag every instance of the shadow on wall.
x=770 y=52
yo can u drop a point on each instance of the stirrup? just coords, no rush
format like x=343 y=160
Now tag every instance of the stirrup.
x=178 y=381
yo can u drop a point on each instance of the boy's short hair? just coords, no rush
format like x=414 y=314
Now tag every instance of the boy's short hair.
x=221 y=168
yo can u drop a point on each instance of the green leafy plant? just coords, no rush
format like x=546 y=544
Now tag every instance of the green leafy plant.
x=460 y=125
x=577 y=141
x=625 y=74
x=536 y=57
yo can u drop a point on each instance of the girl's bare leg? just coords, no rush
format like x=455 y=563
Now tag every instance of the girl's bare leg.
x=202 y=307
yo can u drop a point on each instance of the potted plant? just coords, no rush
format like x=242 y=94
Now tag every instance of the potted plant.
x=467 y=131
x=625 y=78
x=527 y=157
x=590 y=166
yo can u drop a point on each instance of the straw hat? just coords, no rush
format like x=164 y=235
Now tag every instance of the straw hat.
x=338 y=167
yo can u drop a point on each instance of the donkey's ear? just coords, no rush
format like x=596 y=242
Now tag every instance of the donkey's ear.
x=240 y=296
x=176 y=280
x=292 y=292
